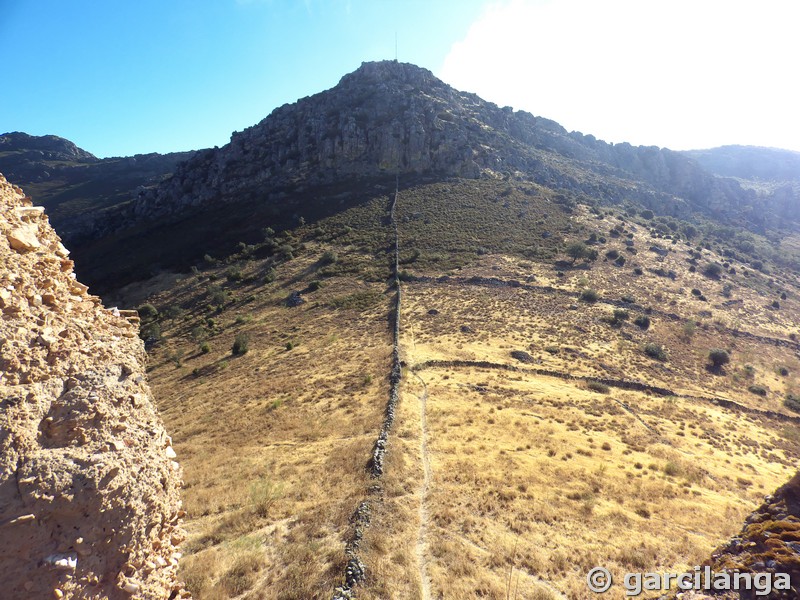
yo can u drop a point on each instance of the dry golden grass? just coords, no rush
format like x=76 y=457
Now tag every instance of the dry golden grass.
x=533 y=479
x=273 y=443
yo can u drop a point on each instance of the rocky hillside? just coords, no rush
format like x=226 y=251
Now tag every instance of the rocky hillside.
x=389 y=117
x=773 y=174
x=89 y=487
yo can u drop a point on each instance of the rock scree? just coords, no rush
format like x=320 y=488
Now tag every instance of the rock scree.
x=89 y=486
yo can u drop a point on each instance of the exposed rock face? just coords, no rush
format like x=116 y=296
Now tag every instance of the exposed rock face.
x=89 y=504
x=769 y=541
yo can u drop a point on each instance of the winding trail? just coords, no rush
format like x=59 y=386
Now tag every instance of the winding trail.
x=424 y=517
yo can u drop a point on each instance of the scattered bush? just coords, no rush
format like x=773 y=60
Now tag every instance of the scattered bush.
x=234 y=274
x=598 y=387
x=147 y=312
x=328 y=258
x=205 y=348
x=719 y=358
x=589 y=295
x=241 y=344
x=792 y=403
x=656 y=351
x=712 y=270
x=577 y=250
x=620 y=314
x=642 y=322
x=758 y=390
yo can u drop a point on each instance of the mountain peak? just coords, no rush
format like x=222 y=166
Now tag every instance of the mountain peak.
x=48 y=147
x=390 y=70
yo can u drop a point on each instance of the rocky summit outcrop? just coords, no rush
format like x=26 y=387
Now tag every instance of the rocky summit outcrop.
x=89 y=486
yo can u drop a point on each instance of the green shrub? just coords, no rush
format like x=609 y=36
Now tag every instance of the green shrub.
x=577 y=250
x=314 y=285
x=289 y=345
x=642 y=322
x=147 y=312
x=792 y=403
x=712 y=270
x=150 y=331
x=589 y=295
x=205 y=348
x=719 y=357
x=328 y=258
x=758 y=390
x=216 y=295
x=620 y=314
x=241 y=344
x=598 y=387
x=656 y=351
x=234 y=274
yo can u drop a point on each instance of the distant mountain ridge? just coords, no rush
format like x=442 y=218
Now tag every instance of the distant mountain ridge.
x=749 y=162
x=74 y=185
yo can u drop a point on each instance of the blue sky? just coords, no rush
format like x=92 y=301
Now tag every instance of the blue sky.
x=120 y=77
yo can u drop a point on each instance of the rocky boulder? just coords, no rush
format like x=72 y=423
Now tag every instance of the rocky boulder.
x=89 y=488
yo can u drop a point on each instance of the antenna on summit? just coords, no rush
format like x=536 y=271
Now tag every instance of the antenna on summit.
x=395 y=46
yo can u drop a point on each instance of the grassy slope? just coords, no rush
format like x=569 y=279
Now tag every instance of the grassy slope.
x=531 y=475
